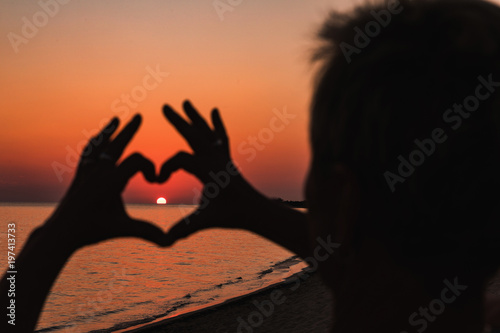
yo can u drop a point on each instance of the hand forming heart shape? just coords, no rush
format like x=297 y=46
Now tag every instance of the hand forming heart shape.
x=92 y=210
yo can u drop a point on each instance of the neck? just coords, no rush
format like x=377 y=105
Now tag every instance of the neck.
x=375 y=295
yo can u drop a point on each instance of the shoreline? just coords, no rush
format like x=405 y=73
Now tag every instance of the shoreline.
x=300 y=303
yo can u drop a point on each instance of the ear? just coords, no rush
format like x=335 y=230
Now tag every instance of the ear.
x=342 y=205
x=334 y=203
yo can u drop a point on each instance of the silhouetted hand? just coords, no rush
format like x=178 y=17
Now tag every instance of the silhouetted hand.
x=226 y=196
x=92 y=209
x=228 y=200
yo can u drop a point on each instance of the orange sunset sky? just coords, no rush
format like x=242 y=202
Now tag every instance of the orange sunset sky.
x=68 y=76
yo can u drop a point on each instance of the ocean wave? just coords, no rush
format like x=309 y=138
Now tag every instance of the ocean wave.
x=195 y=298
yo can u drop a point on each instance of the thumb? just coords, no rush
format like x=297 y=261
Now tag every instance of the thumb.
x=141 y=229
x=189 y=225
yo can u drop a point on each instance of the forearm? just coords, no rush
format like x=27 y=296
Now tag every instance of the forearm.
x=281 y=224
x=38 y=265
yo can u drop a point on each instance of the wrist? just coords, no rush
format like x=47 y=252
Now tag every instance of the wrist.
x=281 y=224
x=260 y=211
x=53 y=241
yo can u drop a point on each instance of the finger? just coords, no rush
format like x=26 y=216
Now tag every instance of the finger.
x=219 y=127
x=117 y=146
x=182 y=126
x=142 y=229
x=107 y=131
x=197 y=119
x=130 y=166
x=97 y=143
x=181 y=160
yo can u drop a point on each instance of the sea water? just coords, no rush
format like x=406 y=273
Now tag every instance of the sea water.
x=125 y=282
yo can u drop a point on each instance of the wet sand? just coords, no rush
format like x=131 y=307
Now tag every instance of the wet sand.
x=300 y=304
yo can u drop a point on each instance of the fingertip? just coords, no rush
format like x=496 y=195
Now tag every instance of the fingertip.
x=150 y=177
x=167 y=241
x=160 y=179
x=215 y=114
x=167 y=110
x=163 y=176
x=187 y=103
x=137 y=118
x=112 y=125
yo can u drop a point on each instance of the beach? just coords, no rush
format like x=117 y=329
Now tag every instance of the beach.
x=300 y=304
x=103 y=290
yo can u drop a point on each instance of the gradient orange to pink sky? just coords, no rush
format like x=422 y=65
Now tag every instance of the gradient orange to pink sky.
x=63 y=79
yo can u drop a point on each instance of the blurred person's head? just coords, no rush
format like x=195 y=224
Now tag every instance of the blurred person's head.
x=405 y=134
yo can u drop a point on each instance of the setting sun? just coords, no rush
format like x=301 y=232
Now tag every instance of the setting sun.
x=161 y=201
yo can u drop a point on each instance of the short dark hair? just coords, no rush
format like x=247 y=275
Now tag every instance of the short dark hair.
x=374 y=99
